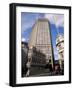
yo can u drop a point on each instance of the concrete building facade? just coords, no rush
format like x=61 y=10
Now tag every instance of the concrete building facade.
x=41 y=39
x=60 y=48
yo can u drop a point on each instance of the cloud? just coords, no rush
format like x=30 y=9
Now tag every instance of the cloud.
x=26 y=25
x=24 y=39
x=56 y=19
x=28 y=20
x=49 y=17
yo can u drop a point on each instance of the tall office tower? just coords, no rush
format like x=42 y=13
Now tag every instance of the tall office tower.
x=41 y=39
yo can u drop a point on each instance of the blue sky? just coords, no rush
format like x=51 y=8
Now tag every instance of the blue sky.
x=56 y=23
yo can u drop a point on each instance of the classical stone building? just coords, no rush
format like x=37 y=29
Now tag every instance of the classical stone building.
x=41 y=39
x=60 y=48
x=24 y=59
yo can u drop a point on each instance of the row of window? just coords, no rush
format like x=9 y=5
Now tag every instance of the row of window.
x=43 y=25
x=43 y=37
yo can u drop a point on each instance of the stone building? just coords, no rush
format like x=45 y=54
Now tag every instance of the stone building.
x=60 y=48
x=24 y=60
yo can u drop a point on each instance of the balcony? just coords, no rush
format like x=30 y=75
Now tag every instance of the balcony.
x=59 y=39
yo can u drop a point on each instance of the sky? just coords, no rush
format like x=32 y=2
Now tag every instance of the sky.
x=56 y=25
